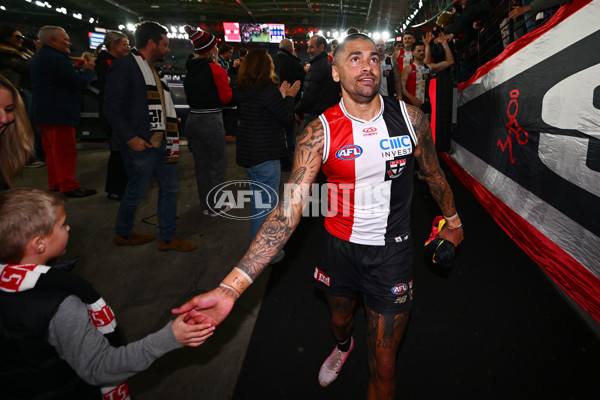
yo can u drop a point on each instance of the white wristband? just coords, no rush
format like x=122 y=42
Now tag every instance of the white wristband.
x=230 y=288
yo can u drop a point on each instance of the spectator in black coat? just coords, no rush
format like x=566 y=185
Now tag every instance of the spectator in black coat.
x=117 y=46
x=265 y=115
x=289 y=68
x=320 y=91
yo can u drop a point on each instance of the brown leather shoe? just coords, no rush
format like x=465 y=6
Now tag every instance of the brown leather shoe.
x=176 y=244
x=133 y=239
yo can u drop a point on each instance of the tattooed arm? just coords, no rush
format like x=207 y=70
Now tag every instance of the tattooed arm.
x=214 y=306
x=427 y=159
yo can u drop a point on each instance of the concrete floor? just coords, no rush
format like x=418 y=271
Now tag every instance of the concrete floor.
x=142 y=284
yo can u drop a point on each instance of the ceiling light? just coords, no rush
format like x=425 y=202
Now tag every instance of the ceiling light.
x=91 y=20
x=2 y=8
x=130 y=27
x=154 y=6
x=385 y=35
x=121 y=27
x=77 y=16
x=321 y=33
x=376 y=36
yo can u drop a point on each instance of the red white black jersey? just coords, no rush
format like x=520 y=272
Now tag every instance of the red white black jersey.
x=416 y=83
x=404 y=58
x=369 y=169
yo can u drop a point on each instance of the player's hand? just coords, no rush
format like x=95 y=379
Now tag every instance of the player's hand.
x=211 y=307
x=191 y=335
x=453 y=235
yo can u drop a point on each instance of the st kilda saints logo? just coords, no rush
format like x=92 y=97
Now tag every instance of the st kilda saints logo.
x=394 y=168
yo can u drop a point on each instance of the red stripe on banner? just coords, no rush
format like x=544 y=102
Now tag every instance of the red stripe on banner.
x=433 y=102
x=563 y=12
x=578 y=282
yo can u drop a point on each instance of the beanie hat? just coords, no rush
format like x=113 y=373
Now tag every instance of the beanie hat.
x=438 y=250
x=203 y=41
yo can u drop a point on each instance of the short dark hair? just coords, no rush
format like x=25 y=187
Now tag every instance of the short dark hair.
x=411 y=33
x=340 y=47
x=321 y=41
x=148 y=30
x=242 y=51
x=415 y=44
x=224 y=48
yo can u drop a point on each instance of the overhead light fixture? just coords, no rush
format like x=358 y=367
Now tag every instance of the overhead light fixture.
x=121 y=27
x=376 y=35
x=130 y=27
x=385 y=35
x=154 y=6
x=2 y=8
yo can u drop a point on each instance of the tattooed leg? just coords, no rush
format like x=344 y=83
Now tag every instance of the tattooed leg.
x=342 y=316
x=384 y=333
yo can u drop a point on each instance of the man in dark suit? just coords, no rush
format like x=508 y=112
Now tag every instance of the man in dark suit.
x=288 y=68
x=56 y=86
x=127 y=109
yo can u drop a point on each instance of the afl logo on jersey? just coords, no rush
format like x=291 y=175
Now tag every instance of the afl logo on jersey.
x=400 y=289
x=349 y=152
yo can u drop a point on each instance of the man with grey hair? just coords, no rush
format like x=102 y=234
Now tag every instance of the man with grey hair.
x=320 y=91
x=288 y=68
x=56 y=86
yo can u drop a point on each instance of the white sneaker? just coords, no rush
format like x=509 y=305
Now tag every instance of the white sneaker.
x=278 y=257
x=332 y=367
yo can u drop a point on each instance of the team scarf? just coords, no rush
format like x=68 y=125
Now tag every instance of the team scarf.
x=157 y=110
x=15 y=278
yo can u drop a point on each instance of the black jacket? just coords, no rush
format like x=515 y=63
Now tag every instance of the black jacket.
x=320 y=91
x=264 y=118
x=203 y=89
x=391 y=81
x=26 y=355
x=288 y=68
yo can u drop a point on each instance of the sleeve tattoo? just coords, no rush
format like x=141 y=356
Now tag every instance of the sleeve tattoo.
x=427 y=160
x=281 y=223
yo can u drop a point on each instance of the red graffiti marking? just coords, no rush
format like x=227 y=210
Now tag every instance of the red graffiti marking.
x=513 y=126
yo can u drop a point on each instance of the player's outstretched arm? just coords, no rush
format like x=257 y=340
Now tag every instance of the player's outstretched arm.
x=428 y=162
x=214 y=306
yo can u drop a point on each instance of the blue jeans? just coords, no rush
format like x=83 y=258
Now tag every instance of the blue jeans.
x=268 y=173
x=141 y=167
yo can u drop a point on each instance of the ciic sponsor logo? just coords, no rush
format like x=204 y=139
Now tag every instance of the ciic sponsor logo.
x=400 y=289
x=238 y=194
x=349 y=152
x=370 y=131
x=321 y=277
x=395 y=146
x=398 y=142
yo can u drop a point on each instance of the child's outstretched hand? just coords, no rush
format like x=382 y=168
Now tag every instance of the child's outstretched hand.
x=191 y=335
